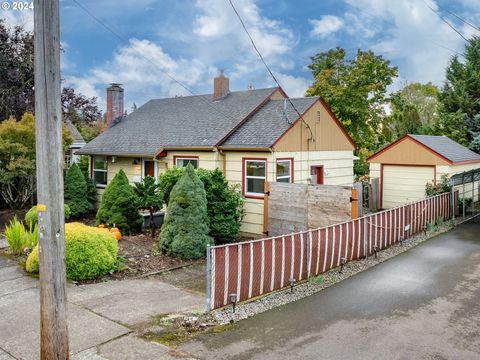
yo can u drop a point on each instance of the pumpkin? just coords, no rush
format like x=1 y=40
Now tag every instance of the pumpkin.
x=117 y=235
x=114 y=229
x=101 y=226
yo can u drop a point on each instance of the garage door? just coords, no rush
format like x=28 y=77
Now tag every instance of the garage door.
x=403 y=184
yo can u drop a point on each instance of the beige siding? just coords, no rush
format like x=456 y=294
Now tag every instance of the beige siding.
x=277 y=95
x=404 y=184
x=337 y=165
x=208 y=160
x=408 y=152
x=374 y=170
x=328 y=134
x=469 y=192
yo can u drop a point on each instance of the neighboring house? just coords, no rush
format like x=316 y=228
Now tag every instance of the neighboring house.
x=406 y=165
x=78 y=143
x=251 y=136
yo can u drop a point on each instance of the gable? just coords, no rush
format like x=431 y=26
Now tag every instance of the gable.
x=329 y=134
x=408 y=151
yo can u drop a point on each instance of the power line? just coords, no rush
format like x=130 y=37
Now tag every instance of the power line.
x=268 y=68
x=461 y=19
x=445 y=21
x=123 y=40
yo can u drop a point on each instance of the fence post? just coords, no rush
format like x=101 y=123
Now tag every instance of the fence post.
x=453 y=202
x=209 y=278
x=309 y=254
x=365 y=236
x=266 y=193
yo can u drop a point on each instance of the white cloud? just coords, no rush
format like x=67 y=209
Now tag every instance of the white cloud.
x=326 y=25
x=141 y=67
x=293 y=86
x=18 y=18
x=408 y=33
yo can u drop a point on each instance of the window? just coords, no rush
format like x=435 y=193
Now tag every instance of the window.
x=100 y=170
x=185 y=160
x=285 y=170
x=255 y=171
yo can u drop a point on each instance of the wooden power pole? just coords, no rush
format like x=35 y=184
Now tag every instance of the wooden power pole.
x=51 y=221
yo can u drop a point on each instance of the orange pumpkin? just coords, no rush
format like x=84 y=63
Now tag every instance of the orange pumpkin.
x=114 y=229
x=117 y=235
x=101 y=226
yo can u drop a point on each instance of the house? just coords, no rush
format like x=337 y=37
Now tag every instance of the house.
x=71 y=155
x=251 y=136
x=406 y=165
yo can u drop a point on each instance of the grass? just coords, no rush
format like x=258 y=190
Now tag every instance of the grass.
x=17 y=236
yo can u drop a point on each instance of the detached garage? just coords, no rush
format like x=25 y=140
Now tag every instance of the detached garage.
x=405 y=166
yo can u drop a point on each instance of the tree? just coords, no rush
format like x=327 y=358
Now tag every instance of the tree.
x=415 y=110
x=84 y=166
x=355 y=90
x=149 y=198
x=76 y=192
x=460 y=96
x=17 y=159
x=16 y=72
x=119 y=206
x=185 y=231
x=78 y=108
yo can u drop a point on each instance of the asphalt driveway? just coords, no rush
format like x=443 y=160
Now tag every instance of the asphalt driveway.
x=422 y=304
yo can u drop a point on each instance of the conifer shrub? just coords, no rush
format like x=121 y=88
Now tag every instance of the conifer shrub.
x=224 y=202
x=90 y=252
x=119 y=206
x=185 y=231
x=76 y=196
x=31 y=217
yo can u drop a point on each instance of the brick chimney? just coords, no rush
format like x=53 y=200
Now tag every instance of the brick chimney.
x=114 y=103
x=221 y=86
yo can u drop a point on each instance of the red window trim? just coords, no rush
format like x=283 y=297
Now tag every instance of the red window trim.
x=186 y=157
x=292 y=168
x=244 y=160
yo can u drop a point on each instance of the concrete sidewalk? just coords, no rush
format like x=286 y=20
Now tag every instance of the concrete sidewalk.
x=101 y=316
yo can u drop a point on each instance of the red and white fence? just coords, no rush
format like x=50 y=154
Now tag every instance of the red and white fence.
x=254 y=268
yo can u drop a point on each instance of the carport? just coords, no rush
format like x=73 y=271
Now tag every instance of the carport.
x=467 y=184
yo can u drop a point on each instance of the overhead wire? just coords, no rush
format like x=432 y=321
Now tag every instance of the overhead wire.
x=268 y=68
x=166 y=73
x=445 y=21
x=461 y=19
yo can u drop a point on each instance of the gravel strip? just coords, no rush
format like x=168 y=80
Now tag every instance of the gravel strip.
x=318 y=283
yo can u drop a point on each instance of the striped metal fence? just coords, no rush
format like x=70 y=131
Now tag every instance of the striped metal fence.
x=254 y=268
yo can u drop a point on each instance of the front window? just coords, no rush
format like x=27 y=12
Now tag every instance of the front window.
x=285 y=170
x=100 y=170
x=184 y=161
x=255 y=176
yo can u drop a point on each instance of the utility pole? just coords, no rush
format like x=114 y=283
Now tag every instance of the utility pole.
x=51 y=221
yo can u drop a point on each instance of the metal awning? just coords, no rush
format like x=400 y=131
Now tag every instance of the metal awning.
x=462 y=179
x=465 y=177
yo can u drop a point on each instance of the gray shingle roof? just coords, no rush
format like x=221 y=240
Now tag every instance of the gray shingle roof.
x=447 y=148
x=268 y=124
x=187 y=121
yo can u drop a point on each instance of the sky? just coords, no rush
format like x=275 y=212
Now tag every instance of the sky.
x=192 y=40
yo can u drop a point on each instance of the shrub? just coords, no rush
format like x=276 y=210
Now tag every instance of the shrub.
x=119 y=206
x=185 y=231
x=76 y=192
x=90 y=252
x=167 y=181
x=149 y=198
x=435 y=189
x=31 y=217
x=224 y=203
x=224 y=206
x=84 y=165
x=17 y=236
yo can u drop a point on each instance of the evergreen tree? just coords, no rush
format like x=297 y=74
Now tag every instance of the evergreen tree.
x=149 y=198
x=460 y=97
x=185 y=231
x=76 y=192
x=119 y=206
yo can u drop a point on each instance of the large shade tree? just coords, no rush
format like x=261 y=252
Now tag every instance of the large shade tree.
x=355 y=89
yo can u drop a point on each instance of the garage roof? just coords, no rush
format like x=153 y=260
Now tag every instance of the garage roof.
x=441 y=146
x=448 y=148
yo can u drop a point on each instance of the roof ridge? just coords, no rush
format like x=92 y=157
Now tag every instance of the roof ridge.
x=211 y=94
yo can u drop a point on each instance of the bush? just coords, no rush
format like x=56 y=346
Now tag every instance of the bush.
x=90 y=252
x=17 y=236
x=185 y=231
x=149 y=198
x=224 y=206
x=119 y=206
x=435 y=189
x=31 y=217
x=84 y=165
x=224 y=203
x=76 y=192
